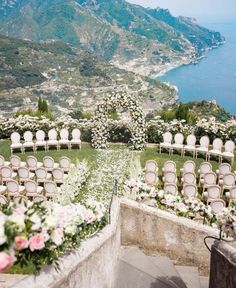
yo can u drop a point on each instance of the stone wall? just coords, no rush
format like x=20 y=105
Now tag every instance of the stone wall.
x=157 y=231
x=92 y=265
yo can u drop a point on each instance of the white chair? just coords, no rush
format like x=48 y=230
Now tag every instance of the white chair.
x=13 y=188
x=178 y=145
x=64 y=141
x=51 y=189
x=170 y=177
x=217 y=147
x=151 y=165
x=208 y=180
x=170 y=188
x=75 y=138
x=204 y=168
x=7 y=174
x=169 y=166
x=151 y=178
x=32 y=189
x=40 y=140
x=228 y=181
x=52 y=139
x=189 y=178
x=24 y=174
x=39 y=198
x=15 y=142
x=33 y=163
x=3 y=189
x=42 y=175
x=224 y=168
x=217 y=205
x=65 y=163
x=16 y=162
x=49 y=164
x=3 y=162
x=3 y=200
x=189 y=166
x=20 y=199
x=189 y=191
x=28 y=137
x=229 y=151
x=231 y=195
x=191 y=145
x=204 y=146
x=213 y=192
x=166 y=144
x=58 y=176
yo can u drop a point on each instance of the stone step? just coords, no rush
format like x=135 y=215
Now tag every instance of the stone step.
x=190 y=276
x=204 y=281
x=168 y=269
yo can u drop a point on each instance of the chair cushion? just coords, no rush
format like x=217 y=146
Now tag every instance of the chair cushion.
x=40 y=143
x=215 y=152
x=228 y=154
x=202 y=149
x=28 y=144
x=177 y=146
x=16 y=145
x=166 y=145
x=52 y=142
x=188 y=147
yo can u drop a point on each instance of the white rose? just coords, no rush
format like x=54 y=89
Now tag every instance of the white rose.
x=50 y=221
x=57 y=236
x=36 y=222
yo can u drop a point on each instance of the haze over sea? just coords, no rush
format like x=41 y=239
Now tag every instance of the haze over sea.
x=214 y=77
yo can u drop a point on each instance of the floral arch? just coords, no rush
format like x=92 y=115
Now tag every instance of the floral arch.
x=137 y=126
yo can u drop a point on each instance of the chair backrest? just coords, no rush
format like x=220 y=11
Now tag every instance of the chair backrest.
x=15 y=161
x=217 y=144
x=217 y=205
x=232 y=192
x=52 y=134
x=12 y=186
x=205 y=167
x=30 y=186
x=58 y=173
x=6 y=172
x=15 y=137
x=179 y=138
x=189 y=178
x=28 y=136
x=190 y=190
x=170 y=177
x=224 y=168
x=167 y=137
x=40 y=135
x=64 y=134
x=75 y=134
x=171 y=188
x=20 y=200
x=204 y=141
x=3 y=200
x=41 y=173
x=31 y=161
x=2 y=161
x=150 y=178
x=64 y=162
x=50 y=187
x=23 y=172
x=170 y=166
x=210 y=178
x=191 y=140
x=214 y=192
x=151 y=165
x=229 y=146
x=48 y=162
x=229 y=179
x=189 y=166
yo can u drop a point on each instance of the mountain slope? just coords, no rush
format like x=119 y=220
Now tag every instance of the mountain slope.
x=130 y=36
x=67 y=77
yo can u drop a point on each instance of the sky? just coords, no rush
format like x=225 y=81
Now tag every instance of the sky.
x=202 y=10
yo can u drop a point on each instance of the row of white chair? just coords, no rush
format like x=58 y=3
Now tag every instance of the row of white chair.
x=30 y=143
x=203 y=148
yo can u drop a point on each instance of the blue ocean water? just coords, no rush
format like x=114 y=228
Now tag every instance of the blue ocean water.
x=214 y=77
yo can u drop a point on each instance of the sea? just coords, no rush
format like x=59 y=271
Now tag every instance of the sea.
x=213 y=77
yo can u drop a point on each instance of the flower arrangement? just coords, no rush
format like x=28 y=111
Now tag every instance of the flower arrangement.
x=39 y=233
x=101 y=124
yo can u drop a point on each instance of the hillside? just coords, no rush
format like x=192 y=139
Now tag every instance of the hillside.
x=67 y=77
x=138 y=39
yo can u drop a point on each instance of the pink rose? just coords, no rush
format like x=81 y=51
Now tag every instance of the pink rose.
x=6 y=261
x=36 y=242
x=21 y=243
